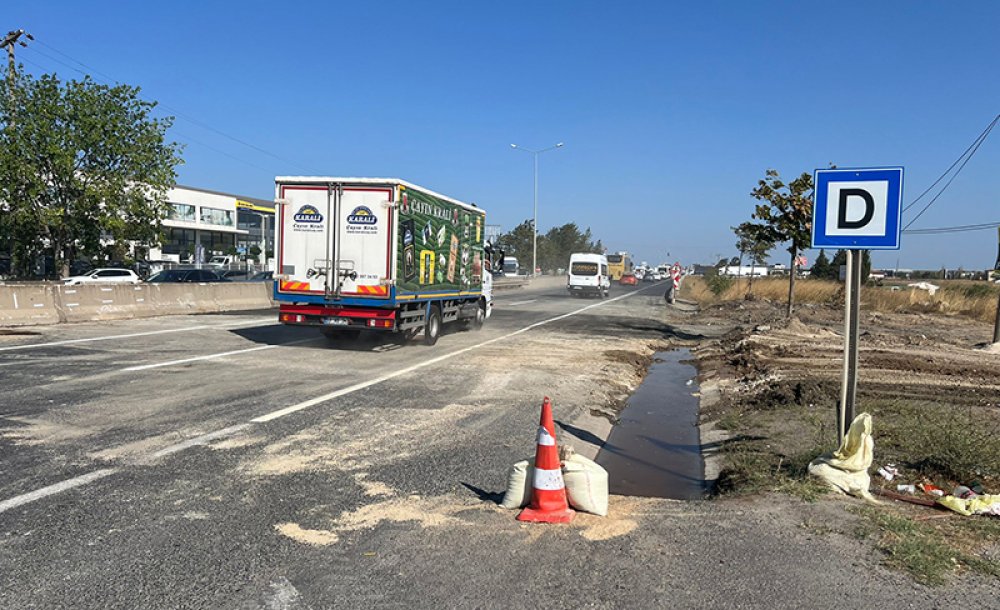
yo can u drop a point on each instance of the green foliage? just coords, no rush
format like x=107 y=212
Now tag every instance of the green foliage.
x=717 y=282
x=785 y=216
x=840 y=258
x=81 y=162
x=554 y=247
x=822 y=269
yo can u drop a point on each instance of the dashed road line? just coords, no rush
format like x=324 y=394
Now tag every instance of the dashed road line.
x=204 y=438
x=11 y=348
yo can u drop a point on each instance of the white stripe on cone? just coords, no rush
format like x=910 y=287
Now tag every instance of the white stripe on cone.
x=544 y=438
x=548 y=480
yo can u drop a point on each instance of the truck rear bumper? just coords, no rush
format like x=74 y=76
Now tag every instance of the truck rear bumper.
x=338 y=317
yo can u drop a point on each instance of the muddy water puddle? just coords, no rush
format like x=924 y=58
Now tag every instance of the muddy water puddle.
x=655 y=448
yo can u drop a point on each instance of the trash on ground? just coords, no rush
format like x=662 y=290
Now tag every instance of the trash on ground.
x=930 y=288
x=910 y=489
x=976 y=505
x=889 y=472
x=931 y=490
x=846 y=469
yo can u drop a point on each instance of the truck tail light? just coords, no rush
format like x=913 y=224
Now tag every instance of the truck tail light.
x=291 y=317
x=380 y=323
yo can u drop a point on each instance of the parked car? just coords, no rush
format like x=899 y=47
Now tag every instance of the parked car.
x=185 y=275
x=628 y=280
x=104 y=276
x=235 y=275
x=261 y=276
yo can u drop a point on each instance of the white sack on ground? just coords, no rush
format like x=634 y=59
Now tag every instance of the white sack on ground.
x=846 y=469
x=518 y=493
x=586 y=485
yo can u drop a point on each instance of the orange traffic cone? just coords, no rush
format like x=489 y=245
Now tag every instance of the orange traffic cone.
x=548 y=492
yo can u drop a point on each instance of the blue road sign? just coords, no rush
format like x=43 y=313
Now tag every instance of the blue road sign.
x=857 y=209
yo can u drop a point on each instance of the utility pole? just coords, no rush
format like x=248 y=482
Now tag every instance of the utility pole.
x=9 y=43
x=996 y=267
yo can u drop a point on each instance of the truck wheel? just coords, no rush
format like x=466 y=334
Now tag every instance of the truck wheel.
x=480 y=319
x=432 y=326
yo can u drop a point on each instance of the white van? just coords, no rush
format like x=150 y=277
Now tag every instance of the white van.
x=588 y=275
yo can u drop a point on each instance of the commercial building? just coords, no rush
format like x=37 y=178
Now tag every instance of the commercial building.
x=203 y=223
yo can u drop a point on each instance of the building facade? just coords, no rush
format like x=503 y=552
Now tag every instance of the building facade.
x=203 y=223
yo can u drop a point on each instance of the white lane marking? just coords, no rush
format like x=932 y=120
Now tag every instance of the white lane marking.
x=100 y=474
x=142 y=334
x=62 y=486
x=367 y=384
x=145 y=367
x=520 y=302
x=198 y=440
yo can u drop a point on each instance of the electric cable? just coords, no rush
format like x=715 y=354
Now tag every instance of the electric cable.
x=109 y=80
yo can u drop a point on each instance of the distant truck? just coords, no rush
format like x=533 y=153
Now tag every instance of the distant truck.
x=745 y=271
x=511 y=268
x=378 y=255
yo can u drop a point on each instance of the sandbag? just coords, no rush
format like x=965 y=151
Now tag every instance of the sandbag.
x=846 y=469
x=518 y=493
x=586 y=485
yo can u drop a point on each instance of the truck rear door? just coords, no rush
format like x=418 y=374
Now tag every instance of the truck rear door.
x=335 y=241
x=304 y=239
x=365 y=243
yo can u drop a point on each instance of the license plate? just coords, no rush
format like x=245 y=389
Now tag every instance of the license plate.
x=336 y=321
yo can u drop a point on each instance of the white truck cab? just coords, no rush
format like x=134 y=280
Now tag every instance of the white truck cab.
x=588 y=275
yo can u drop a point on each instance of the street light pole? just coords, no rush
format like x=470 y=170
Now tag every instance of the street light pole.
x=534 y=221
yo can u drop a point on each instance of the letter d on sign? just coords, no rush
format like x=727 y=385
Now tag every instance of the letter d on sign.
x=842 y=221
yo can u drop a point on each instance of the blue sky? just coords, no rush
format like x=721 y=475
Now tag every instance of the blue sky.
x=670 y=111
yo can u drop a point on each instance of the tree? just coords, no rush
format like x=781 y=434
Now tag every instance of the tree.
x=786 y=212
x=753 y=240
x=81 y=163
x=822 y=269
x=554 y=247
x=840 y=258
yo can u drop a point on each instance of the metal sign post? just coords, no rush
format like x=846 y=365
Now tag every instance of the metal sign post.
x=855 y=210
x=852 y=311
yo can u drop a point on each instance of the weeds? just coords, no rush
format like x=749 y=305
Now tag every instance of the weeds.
x=975 y=300
x=943 y=443
x=929 y=552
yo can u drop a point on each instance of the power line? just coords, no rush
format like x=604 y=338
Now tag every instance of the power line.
x=108 y=79
x=952 y=166
x=977 y=144
x=956 y=229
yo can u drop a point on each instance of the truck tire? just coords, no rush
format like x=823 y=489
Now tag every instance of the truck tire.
x=432 y=326
x=480 y=319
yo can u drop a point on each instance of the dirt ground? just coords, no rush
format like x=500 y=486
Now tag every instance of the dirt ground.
x=770 y=388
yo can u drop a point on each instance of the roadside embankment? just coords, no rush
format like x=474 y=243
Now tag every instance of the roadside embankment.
x=33 y=304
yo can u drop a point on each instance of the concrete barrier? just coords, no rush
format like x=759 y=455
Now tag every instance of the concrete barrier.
x=51 y=303
x=85 y=303
x=27 y=304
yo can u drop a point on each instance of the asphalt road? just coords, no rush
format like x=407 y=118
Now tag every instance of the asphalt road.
x=225 y=461
x=113 y=492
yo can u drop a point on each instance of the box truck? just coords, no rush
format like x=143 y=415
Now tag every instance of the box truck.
x=378 y=255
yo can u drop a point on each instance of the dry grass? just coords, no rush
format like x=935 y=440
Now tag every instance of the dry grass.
x=977 y=300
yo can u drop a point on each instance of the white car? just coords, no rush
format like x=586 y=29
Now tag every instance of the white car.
x=104 y=276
